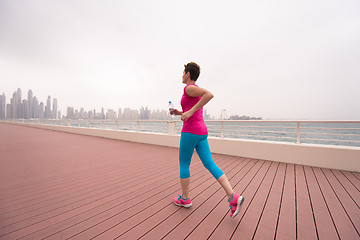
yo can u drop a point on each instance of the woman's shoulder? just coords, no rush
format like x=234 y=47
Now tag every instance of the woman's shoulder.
x=190 y=87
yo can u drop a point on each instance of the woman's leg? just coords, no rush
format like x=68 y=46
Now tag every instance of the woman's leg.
x=187 y=146
x=235 y=200
x=203 y=150
x=185 y=186
x=224 y=182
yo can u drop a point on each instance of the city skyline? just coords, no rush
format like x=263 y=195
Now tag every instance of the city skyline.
x=30 y=107
x=19 y=108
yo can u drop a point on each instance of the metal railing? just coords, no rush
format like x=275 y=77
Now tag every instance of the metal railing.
x=316 y=132
x=322 y=132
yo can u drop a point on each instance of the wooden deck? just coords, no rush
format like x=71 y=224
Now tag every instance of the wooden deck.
x=56 y=185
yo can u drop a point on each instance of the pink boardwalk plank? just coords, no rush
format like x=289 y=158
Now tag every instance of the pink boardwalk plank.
x=356 y=174
x=111 y=202
x=137 y=226
x=206 y=202
x=41 y=209
x=207 y=226
x=342 y=222
x=247 y=226
x=353 y=179
x=323 y=220
x=123 y=209
x=227 y=226
x=348 y=203
x=130 y=215
x=348 y=186
x=287 y=218
x=268 y=222
x=305 y=219
x=56 y=185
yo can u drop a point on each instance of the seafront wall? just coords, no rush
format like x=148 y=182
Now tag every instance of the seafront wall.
x=334 y=157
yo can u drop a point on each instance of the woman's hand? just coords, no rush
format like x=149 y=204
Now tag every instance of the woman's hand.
x=175 y=112
x=186 y=115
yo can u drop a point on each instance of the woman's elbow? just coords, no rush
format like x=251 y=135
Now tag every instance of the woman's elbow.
x=210 y=95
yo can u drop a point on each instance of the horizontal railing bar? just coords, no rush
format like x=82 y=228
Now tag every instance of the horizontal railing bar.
x=352 y=129
x=261 y=136
x=332 y=134
x=263 y=127
x=289 y=121
x=332 y=140
x=262 y=131
x=282 y=121
x=320 y=128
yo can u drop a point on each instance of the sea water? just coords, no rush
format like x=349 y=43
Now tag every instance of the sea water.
x=332 y=133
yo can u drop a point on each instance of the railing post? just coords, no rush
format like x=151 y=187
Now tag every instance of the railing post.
x=117 y=125
x=89 y=123
x=171 y=127
x=138 y=126
x=298 y=133
x=102 y=124
x=222 y=129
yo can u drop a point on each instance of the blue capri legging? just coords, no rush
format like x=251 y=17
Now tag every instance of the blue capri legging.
x=188 y=143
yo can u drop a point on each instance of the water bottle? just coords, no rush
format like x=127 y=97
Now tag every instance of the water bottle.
x=171 y=108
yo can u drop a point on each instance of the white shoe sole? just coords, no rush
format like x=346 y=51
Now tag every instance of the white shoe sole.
x=239 y=203
x=181 y=205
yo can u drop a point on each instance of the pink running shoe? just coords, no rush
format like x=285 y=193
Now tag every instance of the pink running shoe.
x=235 y=205
x=179 y=201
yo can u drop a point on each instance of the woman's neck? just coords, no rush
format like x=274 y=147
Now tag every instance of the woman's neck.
x=190 y=82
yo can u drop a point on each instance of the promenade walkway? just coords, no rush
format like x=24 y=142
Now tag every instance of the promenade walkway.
x=56 y=185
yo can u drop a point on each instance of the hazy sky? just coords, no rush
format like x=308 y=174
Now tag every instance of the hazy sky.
x=275 y=59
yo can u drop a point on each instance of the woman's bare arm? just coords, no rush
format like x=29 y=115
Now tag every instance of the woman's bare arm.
x=194 y=91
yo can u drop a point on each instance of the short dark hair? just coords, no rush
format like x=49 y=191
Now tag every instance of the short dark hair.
x=194 y=70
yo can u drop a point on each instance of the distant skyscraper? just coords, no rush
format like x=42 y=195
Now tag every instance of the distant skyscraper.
x=24 y=108
x=144 y=113
x=120 y=114
x=70 y=113
x=82 y=113
x=76 y=114
x=13 y=103
x=48 y=108
x=18 y=104
x=2 y=106
x=223 y=115
x=54 y=111
x=36 y=108
x=8 y=111
x=111 y=114
x=41 y=110
x=30 y=106
x=90 y=115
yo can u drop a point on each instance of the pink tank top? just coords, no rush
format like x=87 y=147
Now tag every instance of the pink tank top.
x=194 y=124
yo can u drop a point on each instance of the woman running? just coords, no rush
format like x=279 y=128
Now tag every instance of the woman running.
x=194 y=136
